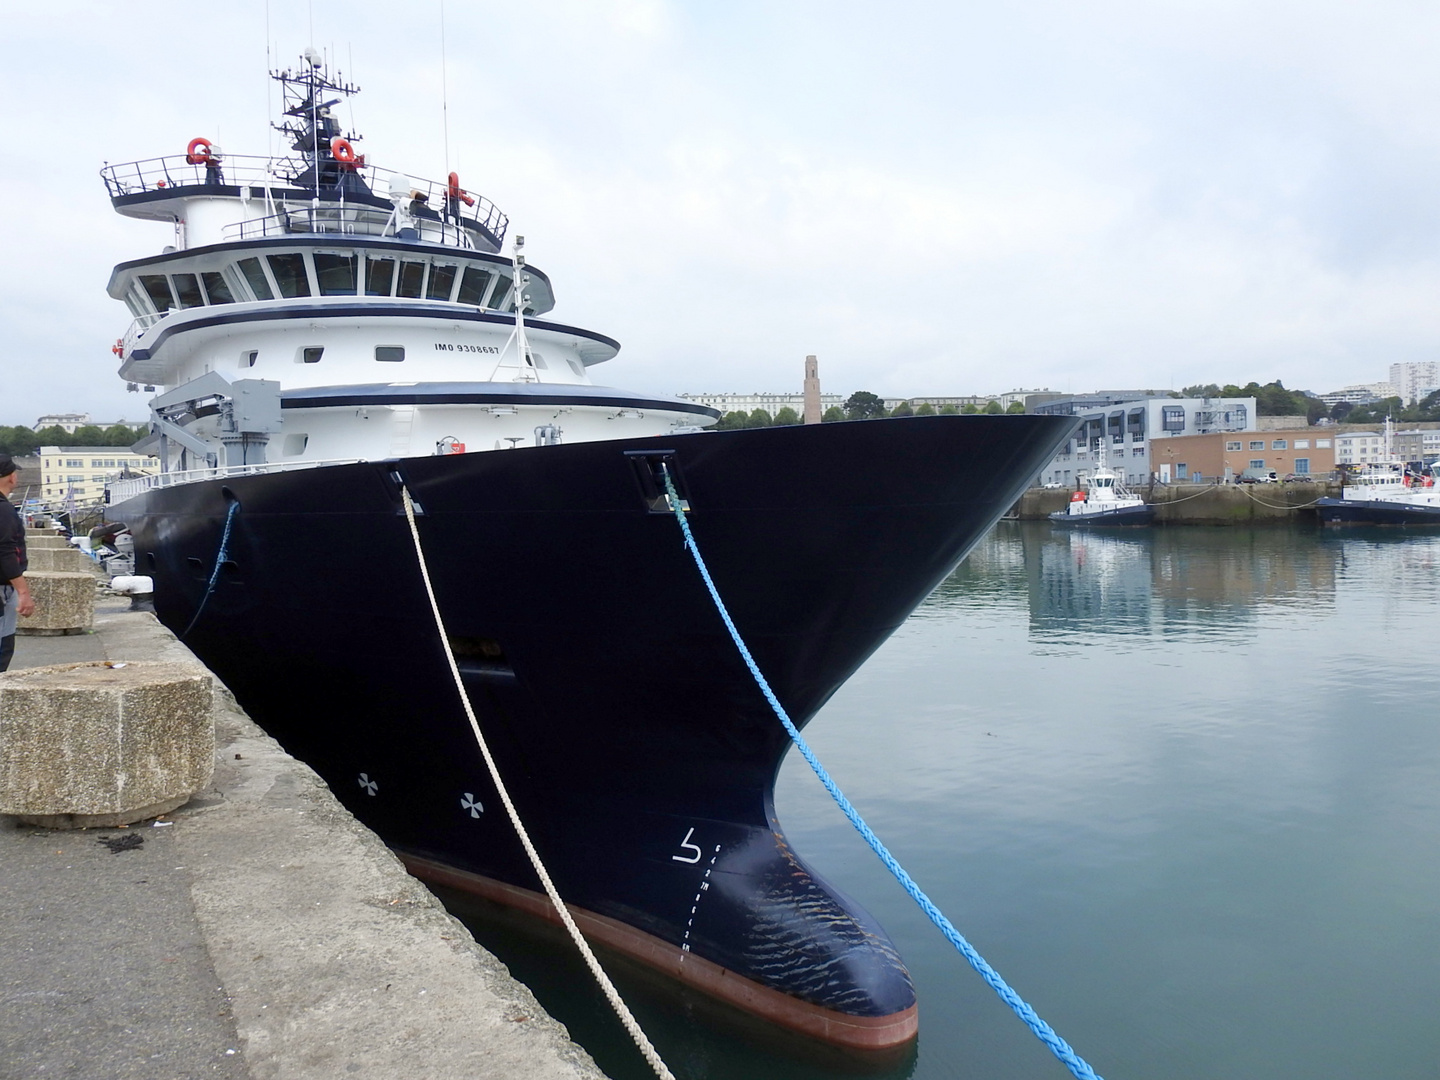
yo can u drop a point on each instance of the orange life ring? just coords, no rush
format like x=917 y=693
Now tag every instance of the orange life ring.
x=457 y=192
x=119 y=347
x=198 y=152
x=1078 y=496
x=342 y=151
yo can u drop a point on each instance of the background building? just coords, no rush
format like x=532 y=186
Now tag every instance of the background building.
x=1415 y=381
x=1121 y=434
x=1227 y=454
x=75 y=476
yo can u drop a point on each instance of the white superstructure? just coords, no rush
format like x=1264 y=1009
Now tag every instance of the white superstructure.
x=316 y=308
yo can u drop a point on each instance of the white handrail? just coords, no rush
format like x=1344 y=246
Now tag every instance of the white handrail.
x=121 y=490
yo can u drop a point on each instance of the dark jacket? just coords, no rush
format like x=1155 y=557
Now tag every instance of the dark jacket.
x=12 y=543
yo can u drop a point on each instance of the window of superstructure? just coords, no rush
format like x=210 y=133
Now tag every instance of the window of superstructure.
x=335 y=274
x=390 y=354
x=498 y=294
x=248 y=358
x=217 y=288
x=312 y=354
x=473 y=284
x=290 y=276
x=412 y=279
x=157 y=288
x=256 y=279
x=379 y=276
x=442 y=281
x=187 y=290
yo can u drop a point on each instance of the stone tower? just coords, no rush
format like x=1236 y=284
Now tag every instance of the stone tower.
x=812 y=391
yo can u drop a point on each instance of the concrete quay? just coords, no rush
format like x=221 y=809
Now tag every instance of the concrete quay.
x=258 y=932
x=1181 y=503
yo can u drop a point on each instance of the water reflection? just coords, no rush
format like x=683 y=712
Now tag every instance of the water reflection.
x=1210 y=584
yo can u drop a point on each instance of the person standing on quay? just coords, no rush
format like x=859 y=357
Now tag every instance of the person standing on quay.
x=15 y=598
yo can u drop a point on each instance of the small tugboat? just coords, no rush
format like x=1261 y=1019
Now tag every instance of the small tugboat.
x=1105 y=502
x=331 y=343
x=1385 y=492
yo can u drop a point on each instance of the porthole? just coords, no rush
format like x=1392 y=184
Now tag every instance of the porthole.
x=295 y=444
x=309 y=354
x=390 y=354
x=248 y=358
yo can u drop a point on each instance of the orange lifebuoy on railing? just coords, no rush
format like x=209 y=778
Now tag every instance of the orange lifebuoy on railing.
x=119 y=347
x=198 y=152
x=457 y=192
x=343 y=152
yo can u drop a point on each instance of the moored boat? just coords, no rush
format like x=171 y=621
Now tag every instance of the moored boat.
x=1385 y=492
x=1105 y=501
x=323 y=336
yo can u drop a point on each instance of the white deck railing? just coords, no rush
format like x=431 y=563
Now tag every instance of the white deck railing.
x=120 y=490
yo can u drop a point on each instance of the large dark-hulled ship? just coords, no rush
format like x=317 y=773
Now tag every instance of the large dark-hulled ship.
x=322 y=335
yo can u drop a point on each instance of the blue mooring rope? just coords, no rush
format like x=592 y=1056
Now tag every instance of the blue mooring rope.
x=219 y=562
x=1058 y=1046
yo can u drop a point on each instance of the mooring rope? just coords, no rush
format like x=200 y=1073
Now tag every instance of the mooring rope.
x=1278 y=506
x=219 y=563
x=611 y=994
x=1058 y=1046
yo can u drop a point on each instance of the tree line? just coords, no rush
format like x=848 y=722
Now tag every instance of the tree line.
x=21 y=441
x=861 y=405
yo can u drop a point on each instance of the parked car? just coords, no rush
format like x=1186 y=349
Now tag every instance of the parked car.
x=1299 y=478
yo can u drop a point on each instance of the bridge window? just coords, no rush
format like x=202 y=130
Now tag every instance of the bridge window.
x=473 y=285
x=157 y=288
x=379 y=277
x=187 y=290
x=256 y=279
x=498 y=294
x=390 y=354
x=217 y=289
x=442 y=281
x=412 y=279
x=290 y=276
x=335 y=274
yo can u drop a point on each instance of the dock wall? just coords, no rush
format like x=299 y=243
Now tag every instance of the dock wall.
x=1203 y=504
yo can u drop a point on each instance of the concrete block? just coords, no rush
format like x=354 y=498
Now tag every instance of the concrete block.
x=64 y=603
x=72 y=560
x=104 y=744
x=33 y=541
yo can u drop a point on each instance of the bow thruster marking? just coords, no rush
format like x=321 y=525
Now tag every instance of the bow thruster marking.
x=469 y=802
x=369 y=785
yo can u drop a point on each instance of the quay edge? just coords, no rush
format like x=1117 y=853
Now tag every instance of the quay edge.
x=1203 y=504
x=324 y=957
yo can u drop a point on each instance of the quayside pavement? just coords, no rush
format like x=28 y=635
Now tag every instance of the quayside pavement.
x=257 y=933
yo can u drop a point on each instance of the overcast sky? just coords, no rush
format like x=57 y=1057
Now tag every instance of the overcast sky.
x=934 y=198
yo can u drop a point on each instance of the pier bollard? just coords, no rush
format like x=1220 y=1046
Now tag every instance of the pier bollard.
x=64 y=603
x=98 y=745
x=69 y=559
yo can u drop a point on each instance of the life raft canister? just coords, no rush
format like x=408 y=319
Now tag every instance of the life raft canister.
x=457 y=192
x=343 y=152
x=1078 y=496
x=198 y=152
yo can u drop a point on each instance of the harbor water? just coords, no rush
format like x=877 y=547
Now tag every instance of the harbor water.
x=1181 y=787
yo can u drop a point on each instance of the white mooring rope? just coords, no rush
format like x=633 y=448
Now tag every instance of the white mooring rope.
x=613 y=995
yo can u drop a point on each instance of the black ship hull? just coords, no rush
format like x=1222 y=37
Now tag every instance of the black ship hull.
x=1375 y=512
x=638 y=750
